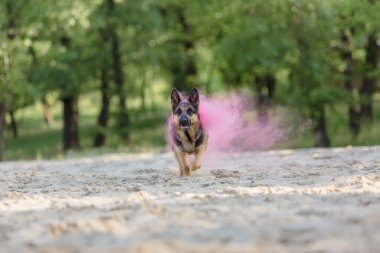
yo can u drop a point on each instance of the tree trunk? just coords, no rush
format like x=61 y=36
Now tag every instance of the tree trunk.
x=2 y=126
x=348 y=73
x=46 y=109
x=270 y=82
x=190 y=70
x=264 y=89
x=12 y=20
x=179 y=79
x=70 y=123
x=260 y=99
x=368 y=87
x=70 y=112
x=183 y=71
x=321 y=138
x=103 y=117
x=143 y=90
x=46 y=106
x=123 y=117
x=13 y=124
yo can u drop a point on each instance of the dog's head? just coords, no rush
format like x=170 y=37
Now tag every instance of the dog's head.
x=185 y=112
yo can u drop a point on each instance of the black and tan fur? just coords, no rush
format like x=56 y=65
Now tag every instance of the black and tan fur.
x=187 y=135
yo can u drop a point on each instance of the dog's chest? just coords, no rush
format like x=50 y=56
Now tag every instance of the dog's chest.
x=187 y=141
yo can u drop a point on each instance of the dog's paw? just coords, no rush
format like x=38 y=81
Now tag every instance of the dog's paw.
x=195 y=167
x=186 y=171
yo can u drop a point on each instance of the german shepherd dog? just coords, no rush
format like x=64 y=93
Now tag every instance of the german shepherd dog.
x=187 y=136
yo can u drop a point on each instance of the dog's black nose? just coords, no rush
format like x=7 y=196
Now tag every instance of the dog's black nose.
x=183 y=121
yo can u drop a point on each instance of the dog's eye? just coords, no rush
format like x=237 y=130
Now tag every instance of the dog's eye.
x=178 y=111
x=190 y=111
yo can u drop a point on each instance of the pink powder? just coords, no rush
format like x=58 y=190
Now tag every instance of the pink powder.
x=232 y=126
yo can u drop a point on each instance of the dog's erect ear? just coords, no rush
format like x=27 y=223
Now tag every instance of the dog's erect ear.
x=194 y=98
x=175 y=98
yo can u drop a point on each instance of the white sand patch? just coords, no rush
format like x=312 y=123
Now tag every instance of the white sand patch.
x=315 y=200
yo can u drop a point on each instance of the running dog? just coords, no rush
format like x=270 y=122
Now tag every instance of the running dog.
x=186 y=133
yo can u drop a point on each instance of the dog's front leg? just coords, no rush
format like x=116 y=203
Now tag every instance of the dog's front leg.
x=181 y=158
x=198 y=156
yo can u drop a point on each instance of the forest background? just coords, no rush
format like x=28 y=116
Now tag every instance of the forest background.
x=81 y=76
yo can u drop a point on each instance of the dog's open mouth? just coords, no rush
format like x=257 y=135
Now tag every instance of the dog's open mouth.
x=184 y=127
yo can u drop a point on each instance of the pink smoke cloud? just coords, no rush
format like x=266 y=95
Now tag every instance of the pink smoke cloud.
x=232 y=126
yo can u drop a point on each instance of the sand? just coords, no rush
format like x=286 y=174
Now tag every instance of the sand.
x=313 y=200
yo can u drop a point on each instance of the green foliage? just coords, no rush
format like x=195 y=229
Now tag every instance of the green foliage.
x=58 y=50
x=40 y=141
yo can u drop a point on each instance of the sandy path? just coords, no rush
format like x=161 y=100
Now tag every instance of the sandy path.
x=317 y=200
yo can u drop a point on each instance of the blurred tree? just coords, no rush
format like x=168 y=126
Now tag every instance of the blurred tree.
x=103 y=117
x=2 y=125
x=117 y=67
x=63 y=62
x=112 y=24
x=313 y=73
x=348 y=73
x=70 y=102
x=14 y=94
x=102 y=19
x=370 y=11
x=145 y=48
x=180 y=46
x=357 y=21
x=252 y=44
x=368 y=87
x=44 y=96
x=306 y=54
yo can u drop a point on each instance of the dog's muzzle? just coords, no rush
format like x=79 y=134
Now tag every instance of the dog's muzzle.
x=184 y=123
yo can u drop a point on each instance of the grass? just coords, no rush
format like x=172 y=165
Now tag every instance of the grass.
x=37 y=140
x=338 y=131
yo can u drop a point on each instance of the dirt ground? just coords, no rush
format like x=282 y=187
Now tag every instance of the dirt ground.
x=313 y=200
